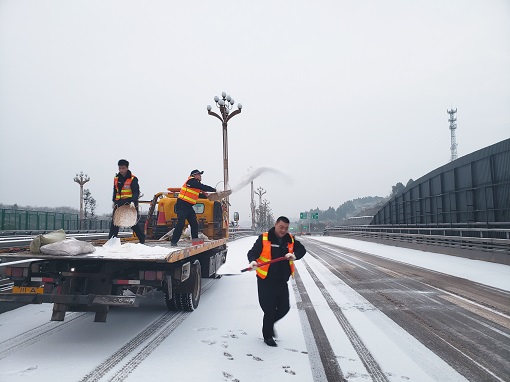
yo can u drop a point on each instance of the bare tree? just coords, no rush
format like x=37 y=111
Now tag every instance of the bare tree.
x=264 y=216
x=89 y=204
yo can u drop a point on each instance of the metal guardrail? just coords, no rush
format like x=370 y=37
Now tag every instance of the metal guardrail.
x=237 y=233
x=487 y=240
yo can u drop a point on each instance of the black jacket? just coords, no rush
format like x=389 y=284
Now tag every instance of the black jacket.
x=279 y=271
x=195 y=183
x=135 y=189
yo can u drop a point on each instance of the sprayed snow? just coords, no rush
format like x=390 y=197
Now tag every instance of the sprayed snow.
x=256 y=173
x=221 y=340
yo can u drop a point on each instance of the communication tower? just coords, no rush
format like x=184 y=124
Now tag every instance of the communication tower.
x=453 y=127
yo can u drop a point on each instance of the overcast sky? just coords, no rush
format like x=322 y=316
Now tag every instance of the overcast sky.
x=346 y=98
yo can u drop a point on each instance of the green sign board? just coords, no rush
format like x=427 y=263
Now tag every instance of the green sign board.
x=303 y=215
x=315 y=215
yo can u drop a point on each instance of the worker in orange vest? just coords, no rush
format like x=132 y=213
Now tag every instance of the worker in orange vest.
x=191 y=190
x=272 y=278
x=126 y=190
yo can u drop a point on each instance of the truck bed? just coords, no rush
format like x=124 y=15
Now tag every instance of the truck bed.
x=157 y=251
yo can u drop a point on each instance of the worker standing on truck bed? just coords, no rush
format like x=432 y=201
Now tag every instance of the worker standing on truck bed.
x=272 y=278
x=126 y=190
x=188 y=196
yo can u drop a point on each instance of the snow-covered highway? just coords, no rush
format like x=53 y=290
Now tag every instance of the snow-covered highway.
x=360 y=311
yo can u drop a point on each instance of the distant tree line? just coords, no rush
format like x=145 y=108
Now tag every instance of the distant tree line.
x=365 y=206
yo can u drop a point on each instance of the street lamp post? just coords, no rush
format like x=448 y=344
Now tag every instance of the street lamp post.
x=81 y=179
x=225 y=104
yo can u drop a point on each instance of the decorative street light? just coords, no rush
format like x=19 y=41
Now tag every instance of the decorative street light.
x=81 y=179
x=225 y=104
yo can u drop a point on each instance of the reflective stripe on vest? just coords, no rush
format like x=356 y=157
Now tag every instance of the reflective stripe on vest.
x=126 y=191
x=188 y=194
x=265 y=256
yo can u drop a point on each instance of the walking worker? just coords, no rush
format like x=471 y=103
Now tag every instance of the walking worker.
x=126 y=190
x=272 y=278
x=187 y=198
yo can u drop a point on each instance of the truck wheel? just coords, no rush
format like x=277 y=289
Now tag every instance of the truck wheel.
x=189 y=301
x=171 y=303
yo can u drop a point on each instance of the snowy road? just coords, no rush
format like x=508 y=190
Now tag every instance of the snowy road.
x=354 y=316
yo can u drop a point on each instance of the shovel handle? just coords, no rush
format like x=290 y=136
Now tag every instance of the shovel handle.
x=266 y=263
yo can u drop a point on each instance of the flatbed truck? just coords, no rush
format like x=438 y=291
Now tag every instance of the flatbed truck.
x=94 y=282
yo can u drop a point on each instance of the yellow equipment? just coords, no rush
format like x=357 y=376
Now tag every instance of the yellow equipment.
x=211 y=216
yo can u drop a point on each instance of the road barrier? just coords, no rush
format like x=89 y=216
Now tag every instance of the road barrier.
x=476 y=243
x=25 y=220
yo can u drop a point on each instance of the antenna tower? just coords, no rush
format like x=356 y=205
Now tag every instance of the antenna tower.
x=453 y=127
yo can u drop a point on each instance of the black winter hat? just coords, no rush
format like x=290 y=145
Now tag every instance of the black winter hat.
x=195 y=172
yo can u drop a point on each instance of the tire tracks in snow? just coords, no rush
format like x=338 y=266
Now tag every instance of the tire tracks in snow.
x=368 y=360
x=318 y=345
x=34 y=335
x=153 y=335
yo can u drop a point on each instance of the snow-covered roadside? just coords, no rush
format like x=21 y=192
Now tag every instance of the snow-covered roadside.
x=483 y=272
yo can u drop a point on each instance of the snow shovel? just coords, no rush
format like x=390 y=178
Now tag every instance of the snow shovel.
x=125 y=216
x=216 y=196
x=226 y=271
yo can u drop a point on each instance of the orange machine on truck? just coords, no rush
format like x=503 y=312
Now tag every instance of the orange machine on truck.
x=93 y=282
x=212 y=215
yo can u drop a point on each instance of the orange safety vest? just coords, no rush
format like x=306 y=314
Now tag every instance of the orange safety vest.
x=126 y=191
x=188 y=194
x=265 y=255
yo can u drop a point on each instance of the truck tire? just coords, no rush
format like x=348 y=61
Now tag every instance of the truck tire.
x=189 y=301
x=171 y=303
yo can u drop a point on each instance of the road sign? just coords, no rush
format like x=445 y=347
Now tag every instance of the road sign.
x=303 y=215
x=315 y=215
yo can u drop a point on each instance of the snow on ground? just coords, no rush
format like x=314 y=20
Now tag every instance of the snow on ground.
x=221 y=340
x=483 y=272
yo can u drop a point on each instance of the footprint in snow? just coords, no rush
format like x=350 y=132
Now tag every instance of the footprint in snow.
x=228 y=376
x=255 y=358
x=209 y=342
x=204 y=329
x=288 y=370
x=224 y=345
x=229 y=356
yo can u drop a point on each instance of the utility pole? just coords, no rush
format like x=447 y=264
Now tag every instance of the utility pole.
x=453 y=127
x=252 y=205
x=81 y=179
x=260 y=191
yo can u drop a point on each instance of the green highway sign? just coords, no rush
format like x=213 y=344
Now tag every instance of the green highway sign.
x=303 y=215
x=315 y=215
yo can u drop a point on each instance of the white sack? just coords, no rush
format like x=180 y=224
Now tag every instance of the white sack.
x=69 y=246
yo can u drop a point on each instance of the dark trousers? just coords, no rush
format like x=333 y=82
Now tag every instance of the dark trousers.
x=114 y=231
x=185 y=212
x=274 y=301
